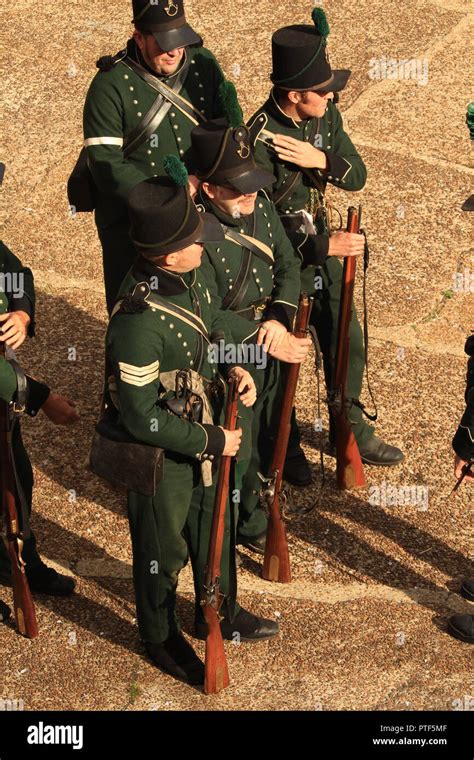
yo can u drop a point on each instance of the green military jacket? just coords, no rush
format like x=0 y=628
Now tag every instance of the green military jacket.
x=17 y=289
x=7 y=381
x=463 y=441
x=345 y=169
x=273 y=277
x=116 y=102
x=146 y=340
x=17 y=293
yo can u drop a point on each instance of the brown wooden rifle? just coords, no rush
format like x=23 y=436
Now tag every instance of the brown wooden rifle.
x=216 y=672
x=13 y=536
x=276 y=563
x=350 y=470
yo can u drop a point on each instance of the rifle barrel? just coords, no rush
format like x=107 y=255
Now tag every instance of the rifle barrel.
x=22 y=600
x=216 y=675
x=350 y=470
x=276 y=562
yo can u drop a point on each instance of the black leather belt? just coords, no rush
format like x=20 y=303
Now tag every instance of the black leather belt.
x=255 y=310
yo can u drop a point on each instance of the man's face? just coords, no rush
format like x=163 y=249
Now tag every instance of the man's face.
x=312 y=104
x=230 y=201
x=162 y=63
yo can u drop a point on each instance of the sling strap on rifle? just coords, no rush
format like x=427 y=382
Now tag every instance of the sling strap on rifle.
x=372 y=417
x=15 y=410
x=292 y=512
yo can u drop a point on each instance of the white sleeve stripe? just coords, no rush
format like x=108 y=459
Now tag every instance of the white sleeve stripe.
x=139 y=381
x=132 y=369
x=103 y=141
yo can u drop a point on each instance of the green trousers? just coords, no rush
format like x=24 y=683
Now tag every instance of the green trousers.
x=325 y=317
x=252 y=519
x=25 y=476
x=166 y=531
x=270 y=386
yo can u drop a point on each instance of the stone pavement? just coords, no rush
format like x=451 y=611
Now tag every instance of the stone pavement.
x=375 y=577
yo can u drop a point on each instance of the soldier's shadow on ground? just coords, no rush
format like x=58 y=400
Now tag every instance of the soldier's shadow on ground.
x=56 y=541
x=349 y=550
x=68 y=354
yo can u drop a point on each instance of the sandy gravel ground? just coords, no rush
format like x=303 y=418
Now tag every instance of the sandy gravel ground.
x=363 y=623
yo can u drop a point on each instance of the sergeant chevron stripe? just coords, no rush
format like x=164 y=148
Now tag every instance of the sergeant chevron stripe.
x=139 y=376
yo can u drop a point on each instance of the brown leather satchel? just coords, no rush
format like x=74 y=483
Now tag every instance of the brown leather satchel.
x=124 y=462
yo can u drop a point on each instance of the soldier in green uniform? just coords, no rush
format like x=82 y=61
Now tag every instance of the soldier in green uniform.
x=7 y=390
x=130 y=127
x=255 y=275
x=159 y=335
x=300 y=139
x=462 y=626
x=17 y=304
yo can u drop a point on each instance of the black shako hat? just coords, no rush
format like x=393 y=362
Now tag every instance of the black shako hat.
x=166 y=20
x=164 y=219
x=225 y=157
x=301 y=60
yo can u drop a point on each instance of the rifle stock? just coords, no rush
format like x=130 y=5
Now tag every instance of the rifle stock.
x=22 y=600
x=216 y=675
x=276 y=562
x=349 y=468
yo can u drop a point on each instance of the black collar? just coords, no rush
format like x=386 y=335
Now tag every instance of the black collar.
x=272 y=108
x=164 y=282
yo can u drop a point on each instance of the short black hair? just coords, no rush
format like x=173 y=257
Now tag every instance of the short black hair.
x=280 y=93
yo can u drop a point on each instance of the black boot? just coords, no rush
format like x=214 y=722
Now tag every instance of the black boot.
x=5 y=612
x=254 y=543
x=375 y=452
x=462 y=627
x=44 y=580
x=467 y=589
x=297 y=470
x=244 y=627
x=177 y=658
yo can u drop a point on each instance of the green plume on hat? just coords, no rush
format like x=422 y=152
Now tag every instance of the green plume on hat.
x=176 y=170
x=229 y=103
x=320 y=22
